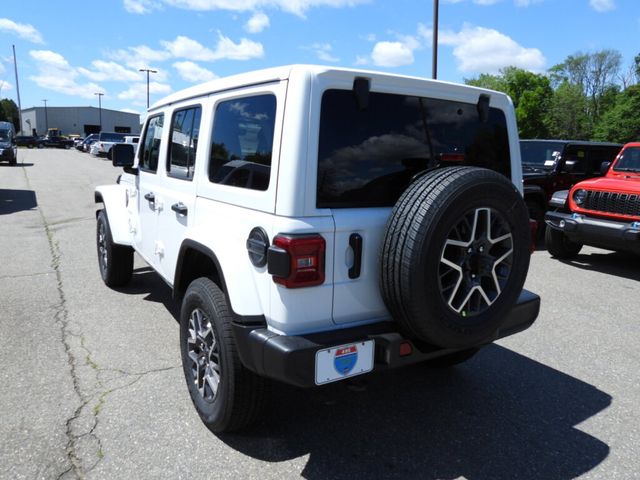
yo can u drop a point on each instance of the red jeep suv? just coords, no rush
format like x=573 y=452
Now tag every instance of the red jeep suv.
x=603 y=212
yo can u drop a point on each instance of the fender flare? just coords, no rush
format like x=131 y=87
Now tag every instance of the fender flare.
x=114 y=199
x=181 y=281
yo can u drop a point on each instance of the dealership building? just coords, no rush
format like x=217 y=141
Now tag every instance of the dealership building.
x=78 y=120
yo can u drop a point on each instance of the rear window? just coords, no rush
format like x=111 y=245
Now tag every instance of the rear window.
x=368 y=157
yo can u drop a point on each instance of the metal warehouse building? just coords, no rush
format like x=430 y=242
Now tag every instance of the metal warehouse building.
x=78 y=120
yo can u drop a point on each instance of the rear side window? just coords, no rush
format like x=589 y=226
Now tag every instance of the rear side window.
x=242 y=142
x=150 y=148
x=367 y=157
x=185 y=130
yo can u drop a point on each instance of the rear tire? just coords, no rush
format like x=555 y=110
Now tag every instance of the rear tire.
x=559 y=246
x=115 y=261
x=227 y=396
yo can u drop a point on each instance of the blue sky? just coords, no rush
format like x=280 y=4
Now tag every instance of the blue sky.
x=68 y=50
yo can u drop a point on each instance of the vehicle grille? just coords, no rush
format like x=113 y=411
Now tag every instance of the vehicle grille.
x=613 y=202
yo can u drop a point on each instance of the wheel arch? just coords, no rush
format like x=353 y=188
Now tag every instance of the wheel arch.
x=197 y=260
x=114 y=198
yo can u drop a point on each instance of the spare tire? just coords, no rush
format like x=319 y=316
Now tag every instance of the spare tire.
x=455 y=256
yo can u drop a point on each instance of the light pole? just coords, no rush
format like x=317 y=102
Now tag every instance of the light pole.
x=46 y=117
x=100 y=94
x=148 y=70
x=434 y=58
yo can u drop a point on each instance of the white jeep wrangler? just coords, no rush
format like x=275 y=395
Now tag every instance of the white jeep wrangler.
x=320 y=223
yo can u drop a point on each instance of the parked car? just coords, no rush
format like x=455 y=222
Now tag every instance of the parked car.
x=602 y=212
x=8 y=147
x=552 y=165
x=57 y=142
x=29 y=141
x=105 y=142
x=388 y=229
x=85 y=145
x=132 y=139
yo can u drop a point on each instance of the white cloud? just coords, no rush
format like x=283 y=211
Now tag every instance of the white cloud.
x=257 y=23
x=323 y=52
x=5 y=86
x=140 y=56
x=488 y=3
x=297 y=7
x=23 y=30
x=602 y=5
x=109 y=71
x=485 y=50
x=141 y=6
x=391 y=54
x=137 y=92
x=192 y=72
x=55 y=73
x=185 y=47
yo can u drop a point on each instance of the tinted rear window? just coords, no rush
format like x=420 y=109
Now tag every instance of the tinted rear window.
x=367 y=158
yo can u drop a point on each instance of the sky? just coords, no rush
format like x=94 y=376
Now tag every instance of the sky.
x=68 y=50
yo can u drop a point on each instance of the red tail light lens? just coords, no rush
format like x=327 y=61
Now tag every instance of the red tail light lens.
x=297 y=261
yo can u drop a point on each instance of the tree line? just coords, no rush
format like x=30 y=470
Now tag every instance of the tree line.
x=9 y=112
x=587 y=97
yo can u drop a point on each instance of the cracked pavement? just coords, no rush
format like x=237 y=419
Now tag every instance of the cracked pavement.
x=92 y=386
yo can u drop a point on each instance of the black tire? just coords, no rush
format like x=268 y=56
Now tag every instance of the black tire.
x=559 y=246
x=13 y=161
x=227 y=396
x=450 y=295
x=452 y=359
x=115 y=261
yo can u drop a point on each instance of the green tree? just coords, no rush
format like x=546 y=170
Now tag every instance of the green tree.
x=567 y=113
x=621 y=123
x=531 y=94
x=595 y=74
x=9 y=112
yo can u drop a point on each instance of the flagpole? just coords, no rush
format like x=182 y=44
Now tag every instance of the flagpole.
x=15 y=67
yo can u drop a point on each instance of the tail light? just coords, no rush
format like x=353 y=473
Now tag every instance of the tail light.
x=297 y=261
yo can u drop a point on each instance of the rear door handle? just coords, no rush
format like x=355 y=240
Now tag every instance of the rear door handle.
x=150 y=197
x=180 y=208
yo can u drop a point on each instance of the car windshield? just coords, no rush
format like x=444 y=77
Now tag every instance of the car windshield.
x=629 y=161
x=540 y=154
x=4 y=135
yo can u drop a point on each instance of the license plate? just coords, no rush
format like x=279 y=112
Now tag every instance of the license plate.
x=344 y=361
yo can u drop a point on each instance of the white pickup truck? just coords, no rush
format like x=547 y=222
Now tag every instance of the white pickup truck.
x=107 y=140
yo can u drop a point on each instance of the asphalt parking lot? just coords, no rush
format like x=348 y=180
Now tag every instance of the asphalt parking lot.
x=92 y=385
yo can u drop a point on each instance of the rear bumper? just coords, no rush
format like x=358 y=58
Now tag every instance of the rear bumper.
x=609 y=234
x=291 y=359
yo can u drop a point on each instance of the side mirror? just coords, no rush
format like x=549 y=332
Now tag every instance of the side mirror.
x=122 y=155
x=604 y=167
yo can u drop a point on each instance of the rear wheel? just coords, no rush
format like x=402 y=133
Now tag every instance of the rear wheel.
x=227 y=396
x=115 y=261
x=559 y=245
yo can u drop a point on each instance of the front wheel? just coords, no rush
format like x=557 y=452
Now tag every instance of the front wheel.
x=559 y=246
x=227 y=396
x=115 y=261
